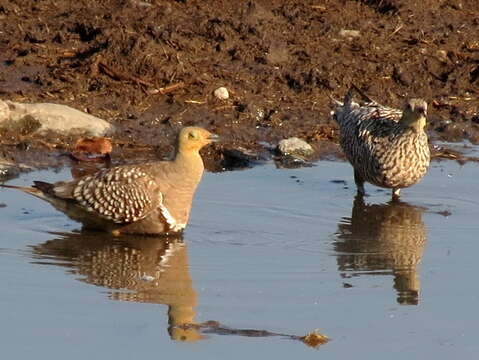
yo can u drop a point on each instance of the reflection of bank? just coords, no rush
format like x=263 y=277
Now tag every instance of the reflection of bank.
x=146 y=269
x=384 y=238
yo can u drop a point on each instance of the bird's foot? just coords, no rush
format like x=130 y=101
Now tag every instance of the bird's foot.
x=395 y=194
x=361 y=190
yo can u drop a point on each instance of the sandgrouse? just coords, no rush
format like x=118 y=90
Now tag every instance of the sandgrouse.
x=387 y=147
x=152 y=198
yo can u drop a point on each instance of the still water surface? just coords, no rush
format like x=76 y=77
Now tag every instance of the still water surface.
x=285 y=251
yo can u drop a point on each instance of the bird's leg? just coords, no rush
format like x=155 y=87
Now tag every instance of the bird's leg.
x=396 y=192
x=359 y=183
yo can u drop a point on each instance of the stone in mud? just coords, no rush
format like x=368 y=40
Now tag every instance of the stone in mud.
x=43 y=117
x=9 y=170
x=239 y=157
x=295 y=146
x=349 y=34
x=222 y=93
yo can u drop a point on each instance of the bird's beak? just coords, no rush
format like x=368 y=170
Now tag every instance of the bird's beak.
x=213 y=138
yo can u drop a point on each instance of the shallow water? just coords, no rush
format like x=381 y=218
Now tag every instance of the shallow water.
x=285 y=251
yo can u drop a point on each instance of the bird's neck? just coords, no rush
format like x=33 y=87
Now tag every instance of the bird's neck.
x=190 y=161
x=416 y=124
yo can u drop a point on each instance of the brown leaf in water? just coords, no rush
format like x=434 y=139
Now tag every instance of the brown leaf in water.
x=315 y=339
x=92 y=149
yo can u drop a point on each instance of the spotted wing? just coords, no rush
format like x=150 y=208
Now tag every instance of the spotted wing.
x=122 y=194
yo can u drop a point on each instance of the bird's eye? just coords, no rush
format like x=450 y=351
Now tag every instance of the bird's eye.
x=191 y=136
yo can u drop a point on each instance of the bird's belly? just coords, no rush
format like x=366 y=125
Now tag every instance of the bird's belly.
x=394 y=173
x=154 y=224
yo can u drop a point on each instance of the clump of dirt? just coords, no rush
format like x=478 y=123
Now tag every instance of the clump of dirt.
x=151 y=67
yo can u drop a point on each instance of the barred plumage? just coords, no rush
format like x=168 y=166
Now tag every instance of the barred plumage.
x=386 y=147
x=150 y=198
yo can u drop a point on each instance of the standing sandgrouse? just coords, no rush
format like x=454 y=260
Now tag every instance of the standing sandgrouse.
x=386 y=147
x=153 y=198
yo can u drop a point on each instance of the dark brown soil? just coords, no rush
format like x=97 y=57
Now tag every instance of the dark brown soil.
x=282 y=61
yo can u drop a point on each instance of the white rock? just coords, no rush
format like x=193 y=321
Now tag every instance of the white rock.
x=349 y=33
x=4 y=110
x=295 y=146
x=222 y=93
x=42 y=117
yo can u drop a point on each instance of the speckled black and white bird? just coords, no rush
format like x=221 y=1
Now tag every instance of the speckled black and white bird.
x=153 y=198
x=387 y=147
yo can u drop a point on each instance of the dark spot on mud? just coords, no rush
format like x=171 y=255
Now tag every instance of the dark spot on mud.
x=474 y=74
x=382 y=6
x=86 y=33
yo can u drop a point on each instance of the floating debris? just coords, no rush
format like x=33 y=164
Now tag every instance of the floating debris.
x=313 y=339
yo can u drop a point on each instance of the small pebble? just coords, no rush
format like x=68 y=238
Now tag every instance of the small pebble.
x=442 y=56
x=222 y=93
x=349 y=33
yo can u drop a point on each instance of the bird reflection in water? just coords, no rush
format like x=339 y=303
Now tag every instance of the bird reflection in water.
x=145 y=269
x=384 y=238
x=135 y=268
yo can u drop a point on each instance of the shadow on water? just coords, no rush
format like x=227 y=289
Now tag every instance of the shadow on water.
x=384 y=239
x=144 y=269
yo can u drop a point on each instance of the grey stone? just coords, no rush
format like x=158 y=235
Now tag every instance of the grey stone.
x=9 y=170
x=295 y=146
x=43 y=117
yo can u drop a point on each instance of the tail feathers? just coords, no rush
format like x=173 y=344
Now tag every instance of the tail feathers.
x=348 y=98
x=40 y=189
x=44 y=187
x=364 y=97
x=27 y=189
x=340 y=113
x=336 y=102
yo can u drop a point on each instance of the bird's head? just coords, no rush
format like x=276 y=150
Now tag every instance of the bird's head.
x=194 y=138
x=414 y=114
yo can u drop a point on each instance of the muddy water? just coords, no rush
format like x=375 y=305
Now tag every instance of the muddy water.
x=278 y=251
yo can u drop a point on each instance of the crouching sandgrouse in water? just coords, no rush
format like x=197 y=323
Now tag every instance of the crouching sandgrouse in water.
x=153 y=198
x=386 y=147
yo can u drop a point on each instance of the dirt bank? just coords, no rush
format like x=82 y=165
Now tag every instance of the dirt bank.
x=150 y=67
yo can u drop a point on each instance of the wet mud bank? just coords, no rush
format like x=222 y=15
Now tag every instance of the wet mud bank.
x=151 y=67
